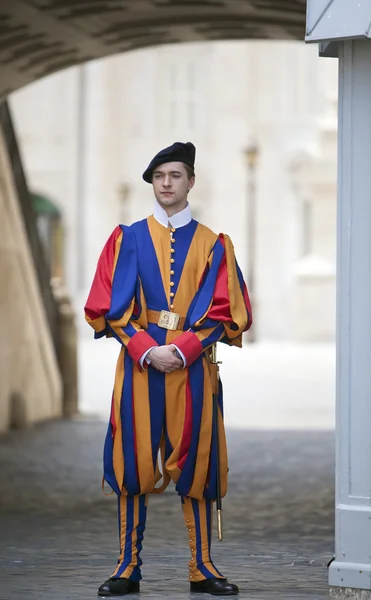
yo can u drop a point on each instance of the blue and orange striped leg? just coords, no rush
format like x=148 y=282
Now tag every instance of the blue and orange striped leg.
x=132 y=522
x=198 y=520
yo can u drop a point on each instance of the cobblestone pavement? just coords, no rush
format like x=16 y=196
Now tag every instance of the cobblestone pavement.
x=58 y=536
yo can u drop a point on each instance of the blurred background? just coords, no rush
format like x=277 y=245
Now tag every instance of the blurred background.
x=262 y=115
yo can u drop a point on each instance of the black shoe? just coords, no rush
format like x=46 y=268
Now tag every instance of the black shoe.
x=215 y=587
x=118 y=587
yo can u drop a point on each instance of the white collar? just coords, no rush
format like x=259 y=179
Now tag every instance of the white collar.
x=178 y=220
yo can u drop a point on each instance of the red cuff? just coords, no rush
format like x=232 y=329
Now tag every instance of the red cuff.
x=139 y=344
x=190 y=345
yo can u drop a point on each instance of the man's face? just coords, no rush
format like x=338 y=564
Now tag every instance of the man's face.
x=171 y=184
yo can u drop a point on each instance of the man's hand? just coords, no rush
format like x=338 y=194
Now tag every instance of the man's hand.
x=163 y=359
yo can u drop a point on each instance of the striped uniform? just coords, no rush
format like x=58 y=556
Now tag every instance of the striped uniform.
x=161 y=426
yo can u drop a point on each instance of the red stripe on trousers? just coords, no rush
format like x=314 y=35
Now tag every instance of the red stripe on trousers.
x=112 y=418
x=187 y=429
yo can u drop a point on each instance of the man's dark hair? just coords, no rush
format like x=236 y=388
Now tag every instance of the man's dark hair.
x=189 y=170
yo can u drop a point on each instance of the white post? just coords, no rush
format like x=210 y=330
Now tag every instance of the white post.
x=350 y=573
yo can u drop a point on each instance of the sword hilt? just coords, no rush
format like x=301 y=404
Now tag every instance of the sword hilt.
x=213 y=359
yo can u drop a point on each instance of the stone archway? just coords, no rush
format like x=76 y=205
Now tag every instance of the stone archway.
x=39 y=37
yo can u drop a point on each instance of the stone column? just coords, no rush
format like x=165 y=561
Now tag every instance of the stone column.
x=350 y=573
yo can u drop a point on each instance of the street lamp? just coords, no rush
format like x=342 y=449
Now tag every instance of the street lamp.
x=251 y=157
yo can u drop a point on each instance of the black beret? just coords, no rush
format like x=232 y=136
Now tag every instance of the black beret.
x=178 y=152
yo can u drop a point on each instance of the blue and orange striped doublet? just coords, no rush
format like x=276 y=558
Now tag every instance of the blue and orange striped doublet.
x=144 y=269
x=198 y=521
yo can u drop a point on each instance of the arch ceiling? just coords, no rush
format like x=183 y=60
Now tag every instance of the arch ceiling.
x=38 y=37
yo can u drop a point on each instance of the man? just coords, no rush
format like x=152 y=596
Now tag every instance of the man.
x=167 y=288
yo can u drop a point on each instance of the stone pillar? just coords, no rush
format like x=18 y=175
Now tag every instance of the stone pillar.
x=350 y=573
x=67 y=350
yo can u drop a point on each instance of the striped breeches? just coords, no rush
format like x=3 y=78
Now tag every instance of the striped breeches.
x=132 y=521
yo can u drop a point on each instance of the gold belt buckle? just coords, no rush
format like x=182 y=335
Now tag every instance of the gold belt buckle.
x=168 y=320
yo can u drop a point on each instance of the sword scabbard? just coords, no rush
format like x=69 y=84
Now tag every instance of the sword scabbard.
x=214 y=372
x=220 y=525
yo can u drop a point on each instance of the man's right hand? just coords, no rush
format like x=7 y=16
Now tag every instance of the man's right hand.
x=163 y=359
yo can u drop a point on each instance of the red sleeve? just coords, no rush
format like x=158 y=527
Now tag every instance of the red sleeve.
x=220 y=310
x=98 y=305
x=190 y=345
x=218 y=321
x=140 y=343
x=189 y=342
x=99 y=299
